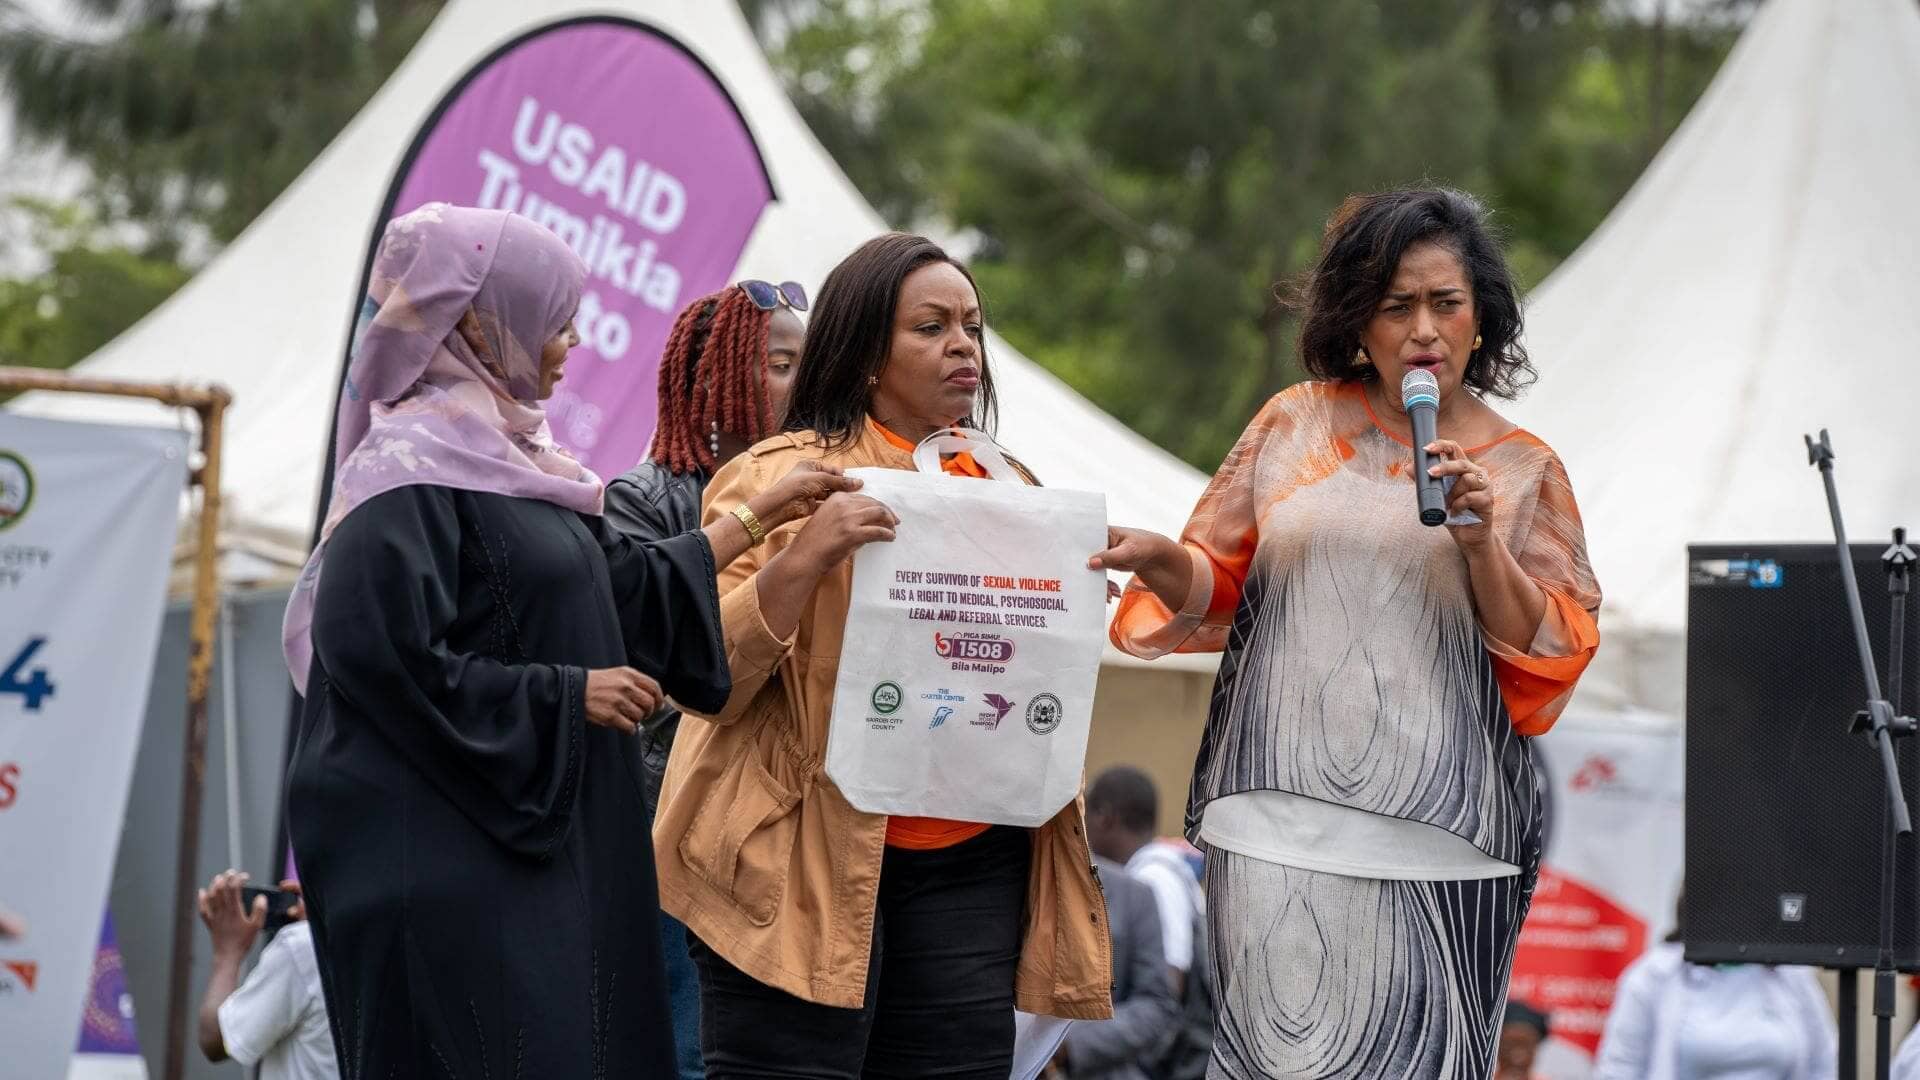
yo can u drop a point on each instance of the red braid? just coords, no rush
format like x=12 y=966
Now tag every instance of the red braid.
x=677 y=362
x=713 y=372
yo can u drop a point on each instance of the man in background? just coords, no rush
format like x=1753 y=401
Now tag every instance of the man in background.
x=1122 y=809
x=277 y=1018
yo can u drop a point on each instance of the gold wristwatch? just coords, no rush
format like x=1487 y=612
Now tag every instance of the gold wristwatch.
x=756 y=532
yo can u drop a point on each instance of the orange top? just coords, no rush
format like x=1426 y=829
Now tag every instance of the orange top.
x=1321 y=438
x=925 y=833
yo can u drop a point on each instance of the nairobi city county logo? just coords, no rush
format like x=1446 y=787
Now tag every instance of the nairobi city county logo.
x=1043 y=714
x=16 y=488
x=887 y=697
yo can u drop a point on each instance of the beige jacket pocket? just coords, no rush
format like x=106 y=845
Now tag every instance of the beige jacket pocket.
x=742 y=837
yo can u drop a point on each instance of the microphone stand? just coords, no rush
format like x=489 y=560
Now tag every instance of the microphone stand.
x=1881 y=725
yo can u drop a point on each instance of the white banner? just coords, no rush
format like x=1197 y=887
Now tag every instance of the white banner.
x=87 y=523
x=1615 y=815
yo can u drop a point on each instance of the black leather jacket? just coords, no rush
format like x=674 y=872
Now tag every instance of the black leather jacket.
x=648 y=502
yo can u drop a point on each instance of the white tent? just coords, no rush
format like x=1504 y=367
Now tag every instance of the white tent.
x=1754 y=286
x=268 y=318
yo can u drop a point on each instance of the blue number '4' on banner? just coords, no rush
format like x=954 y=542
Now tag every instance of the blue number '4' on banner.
x=35 y=687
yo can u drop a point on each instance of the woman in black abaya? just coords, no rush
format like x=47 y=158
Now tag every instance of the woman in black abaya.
x=476 y=649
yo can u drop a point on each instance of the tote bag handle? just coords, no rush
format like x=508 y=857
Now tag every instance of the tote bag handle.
x=926 y=456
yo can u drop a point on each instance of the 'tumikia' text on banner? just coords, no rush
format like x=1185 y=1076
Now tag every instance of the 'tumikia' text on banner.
x=622 y=142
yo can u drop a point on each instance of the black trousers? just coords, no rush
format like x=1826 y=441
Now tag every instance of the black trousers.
x=946 y=940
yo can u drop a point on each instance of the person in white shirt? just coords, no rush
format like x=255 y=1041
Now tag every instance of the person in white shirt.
x=1906 y=1063
x=277 y=1018
x=1672 y=1020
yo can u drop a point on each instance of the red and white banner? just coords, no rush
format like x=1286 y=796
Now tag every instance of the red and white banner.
x=1614 y=789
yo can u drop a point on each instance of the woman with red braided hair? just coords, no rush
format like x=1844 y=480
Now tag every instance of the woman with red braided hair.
x=724 y=376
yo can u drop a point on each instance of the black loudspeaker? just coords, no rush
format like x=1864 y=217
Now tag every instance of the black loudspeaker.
x=1784 y=803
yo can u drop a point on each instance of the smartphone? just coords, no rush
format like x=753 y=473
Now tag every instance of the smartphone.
x=279 y=903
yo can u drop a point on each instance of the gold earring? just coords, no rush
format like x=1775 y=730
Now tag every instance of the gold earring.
x=1476 y=343
x=1360 y=357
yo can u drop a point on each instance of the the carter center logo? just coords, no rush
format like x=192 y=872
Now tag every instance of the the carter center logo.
x=886 y=698
x=944 y=702
x=16 y=488
x=1043 y=714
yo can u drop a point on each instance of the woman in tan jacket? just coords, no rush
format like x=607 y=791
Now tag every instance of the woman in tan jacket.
x=831 y=942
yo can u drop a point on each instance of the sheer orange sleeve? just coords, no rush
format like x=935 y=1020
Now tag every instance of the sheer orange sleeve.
x=1220 y=538
x=1537 y=680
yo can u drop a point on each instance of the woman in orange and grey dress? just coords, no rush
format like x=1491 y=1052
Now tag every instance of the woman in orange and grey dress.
x=1365 y=791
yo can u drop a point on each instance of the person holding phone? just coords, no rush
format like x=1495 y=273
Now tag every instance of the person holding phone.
x=277 y=1017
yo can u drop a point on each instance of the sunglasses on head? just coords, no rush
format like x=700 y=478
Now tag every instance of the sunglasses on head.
x=766 y=296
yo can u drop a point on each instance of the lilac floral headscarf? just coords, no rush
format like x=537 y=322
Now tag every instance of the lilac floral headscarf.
x=421 y=406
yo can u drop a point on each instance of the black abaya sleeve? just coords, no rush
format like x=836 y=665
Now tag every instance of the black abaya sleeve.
x=500 y=741
x=670 y=613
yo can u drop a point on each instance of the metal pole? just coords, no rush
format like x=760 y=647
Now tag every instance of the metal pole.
x=199 y=672
x=1881 y=722
x=1899 y=561
x=1881 y=719
x=1896 y=560
x=1849 y=1013
x=230 y=728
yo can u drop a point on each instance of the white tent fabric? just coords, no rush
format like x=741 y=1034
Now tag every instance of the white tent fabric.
x=1754 y=286
x=269 y=317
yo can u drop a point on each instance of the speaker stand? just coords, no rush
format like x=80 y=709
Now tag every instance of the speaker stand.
x=1881 y=725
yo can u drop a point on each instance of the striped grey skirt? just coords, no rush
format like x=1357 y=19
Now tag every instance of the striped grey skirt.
x=1325 y=976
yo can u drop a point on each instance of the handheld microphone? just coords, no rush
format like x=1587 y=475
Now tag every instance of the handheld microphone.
x=1420 y=393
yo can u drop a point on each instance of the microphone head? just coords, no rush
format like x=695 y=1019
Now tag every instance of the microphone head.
x=1420 y=388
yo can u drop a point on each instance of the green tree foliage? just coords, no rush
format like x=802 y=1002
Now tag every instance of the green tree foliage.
x=1142 y=174
x=197 y=115
x=189 y=119
x=1139 y=173
x=92 y=289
